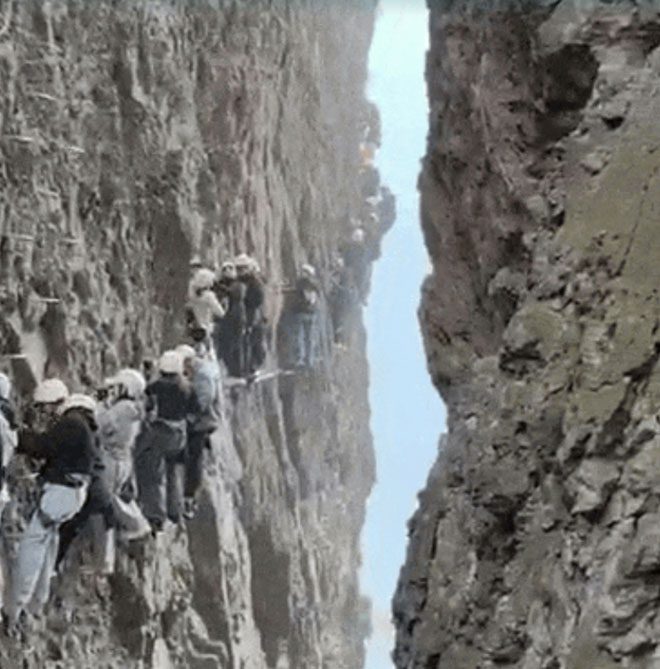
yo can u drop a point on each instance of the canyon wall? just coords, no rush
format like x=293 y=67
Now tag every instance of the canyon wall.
x=535 y=544
x=134 y=135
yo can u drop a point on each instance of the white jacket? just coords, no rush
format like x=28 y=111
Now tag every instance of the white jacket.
x=119 y=426
x=206 y=309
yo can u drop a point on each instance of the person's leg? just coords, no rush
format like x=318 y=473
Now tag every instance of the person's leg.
x=29 y=564
x=308 y=340
x=299 y=339
x=42 y=587
x=69 y=530
x=194 y=463
x=150 y=471
x=174 y=476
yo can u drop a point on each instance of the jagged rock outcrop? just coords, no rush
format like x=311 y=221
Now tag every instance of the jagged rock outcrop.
x=132 y=136
x=535 y=544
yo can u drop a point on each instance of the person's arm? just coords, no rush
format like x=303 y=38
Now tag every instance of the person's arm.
x=217 y=310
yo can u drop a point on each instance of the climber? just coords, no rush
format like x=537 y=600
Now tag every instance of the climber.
x=201 y=423
x=119 y=426
x=98 y=510
x=8 y=436
x=305 y=315
x=161 y=446
x=255 y=331
x=47 y=399
x=69 y=453
x=354 y=252
x=230 y=330
x=203 y=309
x=343 y=296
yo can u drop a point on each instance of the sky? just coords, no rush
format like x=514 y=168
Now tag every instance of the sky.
x=407 y=414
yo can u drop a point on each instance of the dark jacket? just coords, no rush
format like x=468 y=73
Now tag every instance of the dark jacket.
x=232 y=292
x=306 y=297
x=170 y=399
x=68 y=447
x=254 y=298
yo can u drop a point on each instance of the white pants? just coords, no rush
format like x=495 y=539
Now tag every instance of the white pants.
x=37 y=552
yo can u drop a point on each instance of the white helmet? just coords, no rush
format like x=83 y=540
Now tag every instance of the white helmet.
x=171 y=362
x=195 y=262
x=186 y=351
x=5 y=387
x=243 y=261
x=50 y=391
x=308 y=270
x=228 y=269
x=204 y=278
x=132 y=381
x=358 y=235
x=79 y=401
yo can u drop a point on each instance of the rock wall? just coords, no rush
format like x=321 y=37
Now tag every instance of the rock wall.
x=536 y=542
x=134 y=134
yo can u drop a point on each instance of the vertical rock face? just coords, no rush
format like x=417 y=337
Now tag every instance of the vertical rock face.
x=132 y=136
x=535 y=544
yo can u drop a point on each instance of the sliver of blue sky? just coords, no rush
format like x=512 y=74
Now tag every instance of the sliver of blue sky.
x=407 y=414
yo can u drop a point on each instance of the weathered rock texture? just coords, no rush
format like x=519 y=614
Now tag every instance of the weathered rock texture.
x=132 y=135
x=536 y=541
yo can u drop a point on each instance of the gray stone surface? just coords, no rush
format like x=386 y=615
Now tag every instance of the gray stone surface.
x=134 y=134
x=534 y=545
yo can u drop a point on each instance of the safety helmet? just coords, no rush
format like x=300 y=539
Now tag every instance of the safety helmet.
x=255 y=268
x=170 y=362
x=186 y=351
x=195 y=262
x=131 y=380
x=357 y=236
x=243 y=261
x=228 y=269
x=308 y=271
x=50 y=391
x=5 y=386
x=204 y=278
x=79 y=401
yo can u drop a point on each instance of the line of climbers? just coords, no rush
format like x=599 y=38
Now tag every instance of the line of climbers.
x=120 y=464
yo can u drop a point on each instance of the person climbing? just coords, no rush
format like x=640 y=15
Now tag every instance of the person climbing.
x=8 y=436
x=354 y=252
x=230 y=330
x=205 y=381
x=47 y=399
x=305 y=314
x=67 y=449
x=254 y=344
x=203 y=308
x=343 y=297
x=161 y=446
x=119 y=425
x=98 y=510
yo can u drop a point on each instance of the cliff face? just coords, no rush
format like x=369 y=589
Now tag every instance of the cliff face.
x=535 y=545
x=132 y=136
